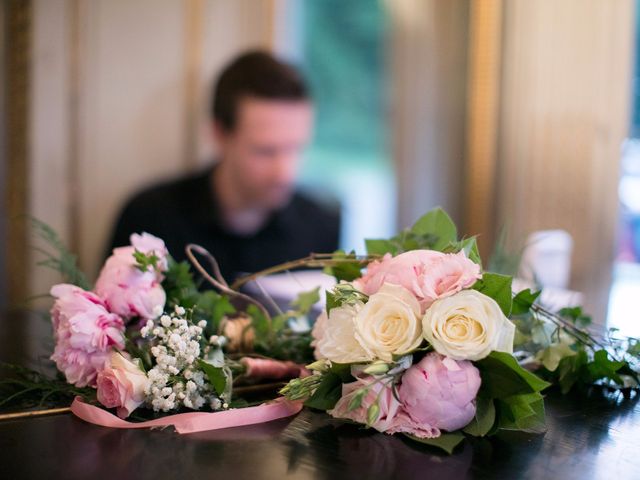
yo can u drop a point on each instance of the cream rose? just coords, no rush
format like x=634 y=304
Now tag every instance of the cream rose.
x=467 y=326
x=389 y=323
x=335 y=336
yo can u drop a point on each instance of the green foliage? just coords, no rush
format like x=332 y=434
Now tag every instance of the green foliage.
x=509 y=397
x=306 y=300
x=345 y=270
x=61 y=260
x=446 y=441
x=327 y=393
x=576 y=316
x=218 y=376
x=22 y=387
x=503 y=377
x=146 y=261
x=521 y=412
x=344 y=294
x=523 y=301
x=498 y=287
x=182 y=290
x=484 y=418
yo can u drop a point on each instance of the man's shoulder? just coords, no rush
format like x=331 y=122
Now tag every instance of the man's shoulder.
x=308 y=207
x=169 y=193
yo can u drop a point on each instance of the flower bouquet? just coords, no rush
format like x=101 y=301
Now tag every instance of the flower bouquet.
x=415 y=338
x=146 y=339
x=421 y=344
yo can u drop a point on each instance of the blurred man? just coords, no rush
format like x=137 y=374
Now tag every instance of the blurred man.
x=244 y=209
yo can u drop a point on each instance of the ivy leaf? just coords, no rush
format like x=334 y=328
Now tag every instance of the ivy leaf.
x=447 y=441
x=553 y=355
x=498 y=287
x=569 y=370
x=216 y=375
x=602 y=367
x=576 y=315
x=439 y=224
x=484 y=419
x=523 y=301
x=522 y=412
x=345 y=270
x=306 y=300
x=503 y=377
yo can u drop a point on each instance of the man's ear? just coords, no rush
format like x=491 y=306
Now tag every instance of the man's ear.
x=219 y=133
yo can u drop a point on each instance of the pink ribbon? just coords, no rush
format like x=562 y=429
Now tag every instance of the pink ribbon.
x=194 y=421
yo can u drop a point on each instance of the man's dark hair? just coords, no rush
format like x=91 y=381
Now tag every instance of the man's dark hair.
x=254 y=74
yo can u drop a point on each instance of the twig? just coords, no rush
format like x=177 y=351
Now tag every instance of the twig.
x=34 y=413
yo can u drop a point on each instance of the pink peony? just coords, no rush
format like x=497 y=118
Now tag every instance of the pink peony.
x=85 y=332
x=440 y=391
x=126 y=289
x=121 y=385
x=392 y=418
x=428 y=274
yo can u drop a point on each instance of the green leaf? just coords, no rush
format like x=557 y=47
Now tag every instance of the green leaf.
x=344 y=270
x=439 y=224
x=447 y=441
x=569 y=370
x=327 y=394
x=377 y=246
x=146 y=261
x=306 y=300
x=498 y=287
x=484 y=419
x=470 y=248
x=523 y=301
x=216 y=375
x=522 y=412
x=553 y=355
x=503 y=377
x=602 y=367
x=576 y=315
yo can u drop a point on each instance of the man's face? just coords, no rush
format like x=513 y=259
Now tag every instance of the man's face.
x=263 y=151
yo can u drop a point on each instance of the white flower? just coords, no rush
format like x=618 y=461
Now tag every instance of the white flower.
x=335 y=335
x=468 y=326
x=389 y=323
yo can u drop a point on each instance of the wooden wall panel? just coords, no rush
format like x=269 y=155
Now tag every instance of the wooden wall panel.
x=564 y=115
x=120 y=91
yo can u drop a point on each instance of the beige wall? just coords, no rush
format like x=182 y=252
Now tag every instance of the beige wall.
x=118 y=101
x=564 y=113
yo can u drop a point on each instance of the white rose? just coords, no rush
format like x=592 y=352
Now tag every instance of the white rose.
x=468 y=326
x=335 y=336
x=389 y=323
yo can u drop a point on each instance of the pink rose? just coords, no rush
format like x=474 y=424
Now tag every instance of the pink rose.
x=428 y=274
x=121 y=385
x=392 y=417
x=84 y=332
x=440 y=391
x=126 y=289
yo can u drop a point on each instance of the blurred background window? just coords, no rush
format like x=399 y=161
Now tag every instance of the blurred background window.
x=343 y=57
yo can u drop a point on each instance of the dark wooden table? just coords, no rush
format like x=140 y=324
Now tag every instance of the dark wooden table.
x=589 y=437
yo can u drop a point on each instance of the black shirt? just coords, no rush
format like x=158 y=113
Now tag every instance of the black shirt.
x=185 y=211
